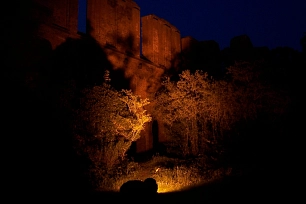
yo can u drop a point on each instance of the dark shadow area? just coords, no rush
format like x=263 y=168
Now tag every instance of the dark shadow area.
x=118 y=79
x=158 y=147
x=42 y=90
x=131 y=153
x=74 y=65
x=201 y=55
x=126 y=47
x=80 y=60
x=155 y=134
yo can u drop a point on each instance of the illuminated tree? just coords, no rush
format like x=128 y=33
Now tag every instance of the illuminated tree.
x=181 y=105
x=198 y=111
x=108 y=122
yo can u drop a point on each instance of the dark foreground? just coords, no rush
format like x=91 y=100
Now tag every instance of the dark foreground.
x=246 y=189
x=272 y=188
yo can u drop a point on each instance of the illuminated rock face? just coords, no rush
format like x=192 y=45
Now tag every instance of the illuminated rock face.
x=115 y=23
x=160 y=41
x=116 y=26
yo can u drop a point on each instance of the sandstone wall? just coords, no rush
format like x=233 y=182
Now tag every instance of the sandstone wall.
x=160 y=41
x=115 y=23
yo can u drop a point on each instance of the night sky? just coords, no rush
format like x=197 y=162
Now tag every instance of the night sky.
x=272 y=23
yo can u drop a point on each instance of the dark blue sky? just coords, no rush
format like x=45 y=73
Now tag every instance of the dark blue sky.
x=271 y=23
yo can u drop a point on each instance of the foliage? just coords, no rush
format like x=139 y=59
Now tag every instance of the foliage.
x=106 y=124
x=112 y=179
x=171 y=174
x=178 y=106
x=254 y=91
x=199 y=111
